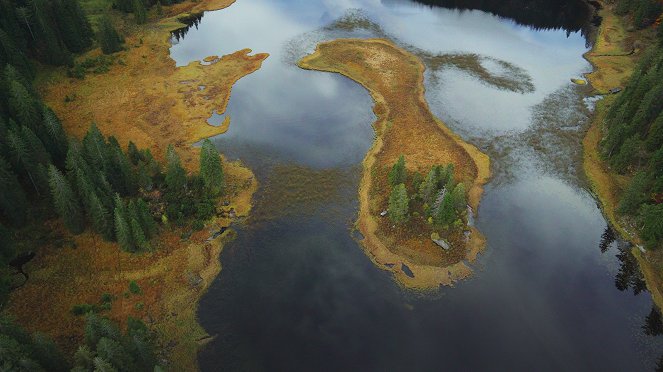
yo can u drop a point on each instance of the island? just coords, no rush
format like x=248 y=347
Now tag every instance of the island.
x=421 y=255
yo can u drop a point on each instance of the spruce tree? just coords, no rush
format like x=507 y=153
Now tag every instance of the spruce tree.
x=398 y=204
x=428 y=188
x=145 y=217
x=444 y=214
x=123 y=232
x=635 y=194
x=22 y=106
x=65 y=201
x=13 y=203
x=53 y=136
x=140 y=13
x=211 y=171
x=651 y=217
x=84 y=358
x=458 y=200
x=108 y=37
x=95 y=147
x=398 y=173
x=175 y=174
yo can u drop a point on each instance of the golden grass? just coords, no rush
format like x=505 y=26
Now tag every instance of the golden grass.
x=172 y=279
x=612 y=68
x=151 y=102
x=404 y=125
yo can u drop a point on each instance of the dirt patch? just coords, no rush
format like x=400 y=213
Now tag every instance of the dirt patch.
x=406 y=126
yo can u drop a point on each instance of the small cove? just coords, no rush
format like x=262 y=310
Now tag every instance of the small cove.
x=296 y=291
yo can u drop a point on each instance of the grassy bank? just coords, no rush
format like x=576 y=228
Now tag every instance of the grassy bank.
x=404 y=125
x=145 y=98
x=613 y=65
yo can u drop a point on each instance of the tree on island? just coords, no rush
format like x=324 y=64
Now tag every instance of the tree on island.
x=398 y=173
x=398 y=204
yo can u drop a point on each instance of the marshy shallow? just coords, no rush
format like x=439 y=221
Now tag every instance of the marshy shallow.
x=296 y=291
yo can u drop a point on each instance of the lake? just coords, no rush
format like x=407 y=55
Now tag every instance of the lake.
x=553 y=290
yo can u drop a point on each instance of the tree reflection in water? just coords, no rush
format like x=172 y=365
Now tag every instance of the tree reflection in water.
x=629 y=276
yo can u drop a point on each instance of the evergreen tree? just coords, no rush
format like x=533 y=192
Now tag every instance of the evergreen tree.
x=53 y=136
x=175 y=174
x=123 y=231
x=145 y=218
x=84 y=358
x=211 y=171
x=140 y=13
x=428 y=188
x=458 y=200
x=47 y=354
x=95 y=147
x=444 y=214
x=398 y=204
x=101 y=365
x=22 y=159
x=112 y=351
x=635 y=194
x=22 y=106
x=398 y=173
x=652 y=222
x=108 y=37
x=13 y=203
x=138 y=236
x=65 y=201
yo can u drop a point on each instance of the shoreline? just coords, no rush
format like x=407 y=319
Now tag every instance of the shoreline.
x=612 y=66
x=421 y=276
x=146 y=99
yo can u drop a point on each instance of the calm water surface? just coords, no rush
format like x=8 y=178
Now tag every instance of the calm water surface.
x=553 y=291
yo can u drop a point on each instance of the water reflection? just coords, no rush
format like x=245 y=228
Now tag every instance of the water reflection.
x=570 y=15
x=297 y=293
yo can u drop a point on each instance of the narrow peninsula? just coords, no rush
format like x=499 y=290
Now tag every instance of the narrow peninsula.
x=407 y=133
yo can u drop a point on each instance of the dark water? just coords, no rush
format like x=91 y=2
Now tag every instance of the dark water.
x=553 y=291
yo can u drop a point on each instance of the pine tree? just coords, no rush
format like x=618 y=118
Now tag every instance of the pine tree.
x=175 y=174
x=108 y=37
x=65 y=201
x=46 y=353
x=428 y=188
x=22 y=106
x=458 y=200
x=211 y=171
x=444 y=214
x=95 y=147
x=139 y=10
x=398 y=204
x=635 y=194
x=13 y=203
x=112 y=351
x=53 y=136
x=138 y=236
x=145 y=218
x=101 y=365
x=652 y=222
x=122 y=228
x=21 y=158
x=84 y=358
x=398 y=173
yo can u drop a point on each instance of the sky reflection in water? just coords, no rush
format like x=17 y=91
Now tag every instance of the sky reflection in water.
x=297 y=293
